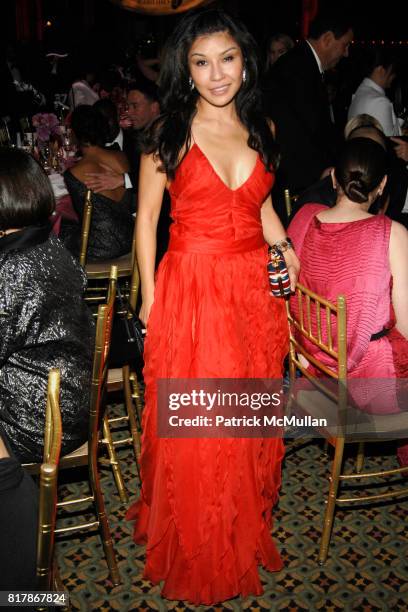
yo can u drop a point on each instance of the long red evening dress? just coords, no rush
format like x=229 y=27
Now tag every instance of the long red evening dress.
x=205 y=511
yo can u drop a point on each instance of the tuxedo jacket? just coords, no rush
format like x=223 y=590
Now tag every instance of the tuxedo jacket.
x=295 y=99
x=131 y=148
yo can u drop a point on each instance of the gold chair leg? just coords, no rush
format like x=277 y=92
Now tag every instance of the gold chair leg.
x=101 y=514
x=137 y=398
x=113 y=460
x=360 y=457
x=331 y=501
x=134 y=432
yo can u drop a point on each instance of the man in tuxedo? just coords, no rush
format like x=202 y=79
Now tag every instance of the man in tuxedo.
x=120 y=140
x=143 y=107
x=296 y=100
x=370 y=97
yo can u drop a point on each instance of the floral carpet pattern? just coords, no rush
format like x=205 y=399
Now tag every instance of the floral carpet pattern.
x=366 y=571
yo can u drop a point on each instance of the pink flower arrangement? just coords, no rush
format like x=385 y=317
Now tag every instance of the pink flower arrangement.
x=46 y=125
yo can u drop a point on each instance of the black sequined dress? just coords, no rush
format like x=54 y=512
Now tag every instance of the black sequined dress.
x=111 y=230
x=44 y=323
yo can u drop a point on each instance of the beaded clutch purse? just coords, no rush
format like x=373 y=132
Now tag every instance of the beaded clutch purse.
x=278 y=273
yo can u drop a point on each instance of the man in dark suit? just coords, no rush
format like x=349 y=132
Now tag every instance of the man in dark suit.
x=296 y=100
x=143 y=108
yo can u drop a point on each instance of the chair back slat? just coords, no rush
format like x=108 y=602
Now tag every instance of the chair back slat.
x=308 y=315
x=342 y=336
x=329 y=329
x=289 y=200
x=48 y=485
x=300 y=307
x=134 y=286
x=319 y=321
x=86 y=224
x=288 y=203
x=53 y=422
x=309 y=325
x=100 y=363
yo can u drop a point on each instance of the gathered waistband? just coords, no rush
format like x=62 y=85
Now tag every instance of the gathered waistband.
x=214 y=247
x=380 y=334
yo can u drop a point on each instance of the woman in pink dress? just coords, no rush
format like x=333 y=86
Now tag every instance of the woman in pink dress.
x=346 y=250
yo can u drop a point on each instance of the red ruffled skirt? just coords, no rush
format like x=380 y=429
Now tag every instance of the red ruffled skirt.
x=205 y=512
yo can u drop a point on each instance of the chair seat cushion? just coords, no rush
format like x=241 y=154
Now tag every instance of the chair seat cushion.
x=354 y=424
x=115 y=379
x=100 y=269
x=82 y=451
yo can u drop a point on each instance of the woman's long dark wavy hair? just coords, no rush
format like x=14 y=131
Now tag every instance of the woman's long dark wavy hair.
x=170 y=133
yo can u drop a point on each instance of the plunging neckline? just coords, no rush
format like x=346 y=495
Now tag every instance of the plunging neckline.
x=218 y=176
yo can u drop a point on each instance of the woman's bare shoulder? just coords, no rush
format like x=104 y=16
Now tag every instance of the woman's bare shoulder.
x=399 y=234
x=82 y=167
x=117 y=160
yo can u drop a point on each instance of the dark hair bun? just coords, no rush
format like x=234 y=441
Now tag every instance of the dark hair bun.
x=356 y=188
x=360 y=168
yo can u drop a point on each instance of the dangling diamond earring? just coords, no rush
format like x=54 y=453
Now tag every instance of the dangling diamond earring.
x=191 y=83
x=244 y=75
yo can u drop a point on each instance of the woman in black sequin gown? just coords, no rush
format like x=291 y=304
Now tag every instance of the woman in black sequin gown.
x=44 y=321
x=112 y=223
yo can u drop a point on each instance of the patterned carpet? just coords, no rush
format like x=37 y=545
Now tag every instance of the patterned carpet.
x=367 y=569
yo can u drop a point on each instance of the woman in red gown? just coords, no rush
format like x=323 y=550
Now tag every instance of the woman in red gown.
x=206 y=504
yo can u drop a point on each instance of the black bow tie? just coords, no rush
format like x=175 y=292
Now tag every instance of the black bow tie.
x=113 y=147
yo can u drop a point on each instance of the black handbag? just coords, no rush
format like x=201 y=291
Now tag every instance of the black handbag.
x=127 y=343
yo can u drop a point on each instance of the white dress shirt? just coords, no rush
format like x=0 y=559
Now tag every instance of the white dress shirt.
x=81 y=93
x=119 y=140
x=370 y=98
x=317 y=58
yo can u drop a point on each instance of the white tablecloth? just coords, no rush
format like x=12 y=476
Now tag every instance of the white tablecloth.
x=58 y=185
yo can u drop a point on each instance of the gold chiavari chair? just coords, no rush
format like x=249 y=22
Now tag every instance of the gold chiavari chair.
x=47 y=573
x=323 y=324
x=100 y=269
x=289 y=200
x=88 y=453
x=125 y=379
x=119 y=378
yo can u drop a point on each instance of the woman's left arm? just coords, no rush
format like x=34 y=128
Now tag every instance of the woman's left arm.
x=273 y=232
x=398 y=257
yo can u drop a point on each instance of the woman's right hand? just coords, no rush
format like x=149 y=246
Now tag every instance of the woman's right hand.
x=293 y=266
x=144 y=313
x=401 y=148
